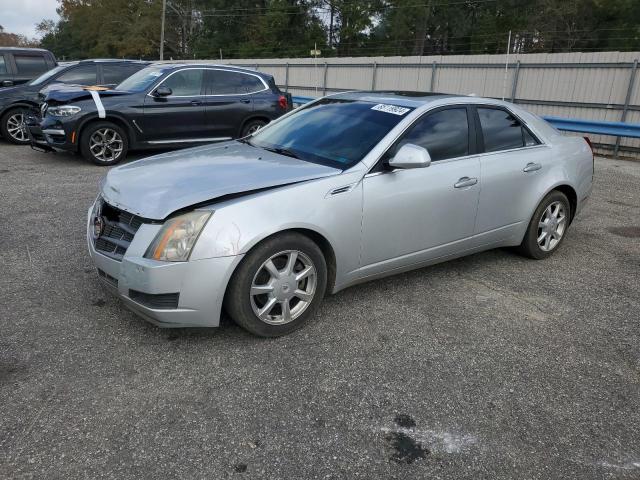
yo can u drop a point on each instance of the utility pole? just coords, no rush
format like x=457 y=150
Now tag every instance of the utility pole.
x=164 y=9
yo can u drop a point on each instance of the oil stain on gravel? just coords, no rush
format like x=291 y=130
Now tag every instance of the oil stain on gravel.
x=627 y=232
x=405 y=449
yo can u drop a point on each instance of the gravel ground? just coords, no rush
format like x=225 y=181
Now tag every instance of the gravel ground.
x=491 y=366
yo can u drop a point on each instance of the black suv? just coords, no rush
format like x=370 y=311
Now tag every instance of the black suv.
x=164 y=105
x=16 y=102
x=19 y=65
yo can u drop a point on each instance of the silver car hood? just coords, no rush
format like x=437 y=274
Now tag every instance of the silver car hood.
x=157 y=186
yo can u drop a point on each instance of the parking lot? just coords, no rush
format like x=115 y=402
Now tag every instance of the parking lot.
x=491 y=366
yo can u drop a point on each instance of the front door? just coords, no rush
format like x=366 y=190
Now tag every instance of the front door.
x=411 y=216
x=179 y=117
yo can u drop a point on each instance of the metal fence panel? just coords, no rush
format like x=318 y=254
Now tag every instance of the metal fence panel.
x=590 y=86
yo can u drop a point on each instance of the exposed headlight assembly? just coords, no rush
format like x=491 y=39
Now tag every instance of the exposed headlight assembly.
x=178 y=235
x=63 y=111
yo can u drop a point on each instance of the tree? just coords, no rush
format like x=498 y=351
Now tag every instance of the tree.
x=8 y=39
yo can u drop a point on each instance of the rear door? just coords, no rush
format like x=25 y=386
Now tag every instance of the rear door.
x=179 y=117
x=512 y=162
x=229 y=100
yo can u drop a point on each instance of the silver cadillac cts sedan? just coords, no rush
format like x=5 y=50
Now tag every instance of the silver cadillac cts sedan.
x=343 y=190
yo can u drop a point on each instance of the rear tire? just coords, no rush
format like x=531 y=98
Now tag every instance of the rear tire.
x=548 y=227
x=278 y=286
x=252 y=126
x=13 y=126
x=104 y=143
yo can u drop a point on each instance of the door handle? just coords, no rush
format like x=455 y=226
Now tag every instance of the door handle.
x=532 y=167
x=195 y=103
x=245 y=100
x=465 y=182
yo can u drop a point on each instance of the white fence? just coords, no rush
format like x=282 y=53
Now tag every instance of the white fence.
x=591 y=86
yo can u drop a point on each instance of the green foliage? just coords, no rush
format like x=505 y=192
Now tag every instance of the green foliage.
x=290 y=28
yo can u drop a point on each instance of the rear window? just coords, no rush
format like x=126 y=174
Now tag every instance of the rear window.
x=3 y=65
x=233 y=83
x=30 y=64
x=502 y=131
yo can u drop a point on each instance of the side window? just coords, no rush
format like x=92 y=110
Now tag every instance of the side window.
x=502 y=131
x=233 y=83
x=114 y=74
x=185 y=83
x=445 y=134
x=3 y=65
x=30 y=64
x=83 y=75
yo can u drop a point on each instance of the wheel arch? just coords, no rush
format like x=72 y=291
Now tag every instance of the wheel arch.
x=19 y=104
x=316 y=237
x=571 y=194
x=109 y=118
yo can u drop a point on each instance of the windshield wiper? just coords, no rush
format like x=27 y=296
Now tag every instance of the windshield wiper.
x=282 y=151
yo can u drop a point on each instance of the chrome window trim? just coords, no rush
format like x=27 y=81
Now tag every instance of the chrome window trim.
x=457 y=103
x=266 y=86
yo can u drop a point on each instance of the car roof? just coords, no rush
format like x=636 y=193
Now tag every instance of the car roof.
x=212 y=65
x=113 y=60
x=396 y=97
x=23 y=49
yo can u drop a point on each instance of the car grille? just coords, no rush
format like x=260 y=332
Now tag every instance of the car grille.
x=117 y=234
x=158 y=301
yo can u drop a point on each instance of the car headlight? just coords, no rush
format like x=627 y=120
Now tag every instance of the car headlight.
x=63 y=111
x=178 y=235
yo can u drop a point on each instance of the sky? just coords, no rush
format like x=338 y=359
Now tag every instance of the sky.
x=21 y=16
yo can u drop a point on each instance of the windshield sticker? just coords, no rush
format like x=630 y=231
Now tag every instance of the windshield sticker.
x=382 y=107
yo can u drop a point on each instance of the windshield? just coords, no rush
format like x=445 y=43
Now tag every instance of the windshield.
x=333 y=132
x=47 y=75
x=142 y=79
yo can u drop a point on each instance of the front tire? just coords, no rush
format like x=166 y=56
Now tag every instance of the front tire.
x=104 y=143
x=279 y=285
x=548 y=227
x=13 y=126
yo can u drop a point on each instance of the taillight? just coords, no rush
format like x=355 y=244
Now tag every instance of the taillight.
x=593 y=157
x=590 y=144
x=282 y=101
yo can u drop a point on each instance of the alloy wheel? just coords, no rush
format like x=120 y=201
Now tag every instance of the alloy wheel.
x=106 y=144
x=552 y=226
x=283 y=287
x=17 y=127
x=253 y=129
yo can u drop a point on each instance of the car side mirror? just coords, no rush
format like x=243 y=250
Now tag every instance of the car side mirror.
x=7 y=83
x=410 y=156
x=162 y=91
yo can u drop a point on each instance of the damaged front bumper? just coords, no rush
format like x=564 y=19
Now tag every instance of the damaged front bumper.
x=167 y=294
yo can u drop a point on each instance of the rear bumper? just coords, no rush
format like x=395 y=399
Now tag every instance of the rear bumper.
x=198 y=285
